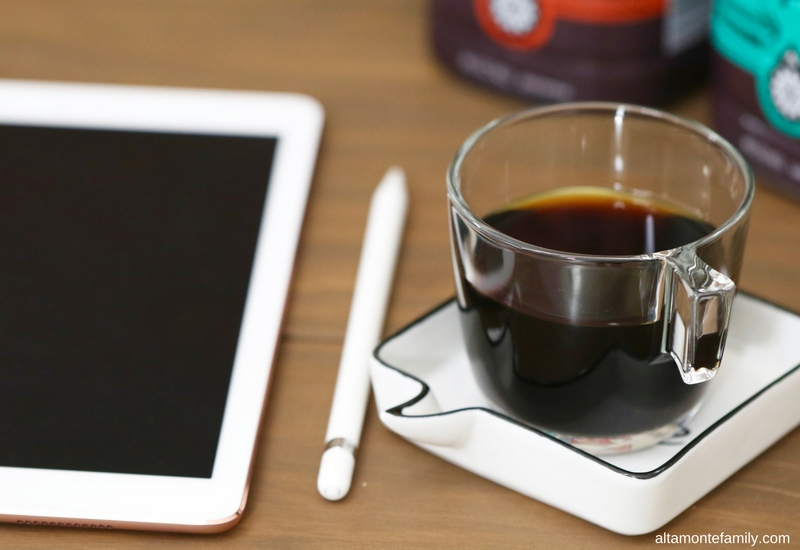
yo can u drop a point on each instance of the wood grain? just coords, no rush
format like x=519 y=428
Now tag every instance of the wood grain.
x=388 y=102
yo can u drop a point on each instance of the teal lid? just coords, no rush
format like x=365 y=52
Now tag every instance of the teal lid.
x=763 y=38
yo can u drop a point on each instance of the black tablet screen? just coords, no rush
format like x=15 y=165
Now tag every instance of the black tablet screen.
x=124 y=264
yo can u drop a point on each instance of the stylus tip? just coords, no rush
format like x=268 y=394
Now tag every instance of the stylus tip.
x=335 y=473
x=332 y=493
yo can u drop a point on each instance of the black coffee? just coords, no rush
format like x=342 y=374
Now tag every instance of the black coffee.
x=582 y=380
x=596 y=222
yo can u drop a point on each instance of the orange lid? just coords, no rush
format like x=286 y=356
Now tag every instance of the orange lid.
x=528 y=24
x=608 y=11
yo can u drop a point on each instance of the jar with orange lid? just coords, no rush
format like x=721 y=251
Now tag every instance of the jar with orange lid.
x=638 y=51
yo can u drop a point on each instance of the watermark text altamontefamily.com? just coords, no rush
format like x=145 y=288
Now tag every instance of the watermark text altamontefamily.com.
x=747 y=538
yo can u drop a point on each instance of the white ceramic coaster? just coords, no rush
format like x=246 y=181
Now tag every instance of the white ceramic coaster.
x=425 y=391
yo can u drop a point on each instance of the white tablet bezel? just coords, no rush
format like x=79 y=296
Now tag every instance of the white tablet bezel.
x=107 y=500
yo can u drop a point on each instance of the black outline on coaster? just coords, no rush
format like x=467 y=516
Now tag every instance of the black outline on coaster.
x=398 y=409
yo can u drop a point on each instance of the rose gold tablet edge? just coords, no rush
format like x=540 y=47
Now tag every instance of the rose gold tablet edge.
x=209 y=527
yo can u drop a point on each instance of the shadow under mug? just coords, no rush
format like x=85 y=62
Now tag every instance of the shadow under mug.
x=609 y=353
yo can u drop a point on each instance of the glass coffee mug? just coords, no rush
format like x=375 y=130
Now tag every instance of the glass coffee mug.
x=596 y=250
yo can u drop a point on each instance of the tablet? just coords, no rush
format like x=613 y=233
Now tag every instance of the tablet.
x=147 y=239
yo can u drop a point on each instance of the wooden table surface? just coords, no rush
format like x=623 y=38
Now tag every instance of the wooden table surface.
x=387 y=102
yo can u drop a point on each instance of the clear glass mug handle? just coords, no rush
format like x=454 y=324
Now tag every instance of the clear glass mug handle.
x=698 y=302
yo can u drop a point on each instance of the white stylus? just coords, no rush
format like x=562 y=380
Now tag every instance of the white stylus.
x=387 y=214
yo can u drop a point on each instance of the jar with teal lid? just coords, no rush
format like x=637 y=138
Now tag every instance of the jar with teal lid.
x=756 y=84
